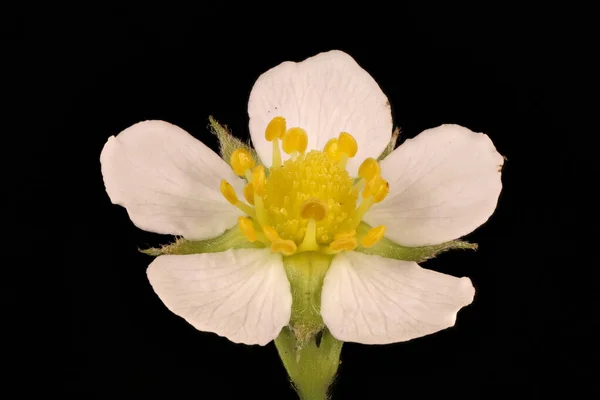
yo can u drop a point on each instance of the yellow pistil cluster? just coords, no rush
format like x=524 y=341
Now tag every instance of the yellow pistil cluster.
x=309 y=202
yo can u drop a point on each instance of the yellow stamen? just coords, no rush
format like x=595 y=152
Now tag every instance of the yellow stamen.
x=310 y=202
x=247 y=228
x=313 y=209
x=358 y=186
x=276 y=129
x=270 y=233
x=377 y=188
x=241 y=161
x=373 y=236
x=332 y=149
x=347 y=144
x=345 y=234
x=285 y=247
x=228 y=192
x=261 y=212
x=369 y=169
x=295 y=139
x=309 y=243
x=345 y=244
x=249 y=193
x=343 y=160
x=276 y=154
x=361 y=210
x=381 y=191
x=259 y=180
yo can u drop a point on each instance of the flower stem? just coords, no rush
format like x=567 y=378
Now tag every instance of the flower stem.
x=312 y=366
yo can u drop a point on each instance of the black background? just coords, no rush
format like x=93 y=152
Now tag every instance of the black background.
x=91 y=73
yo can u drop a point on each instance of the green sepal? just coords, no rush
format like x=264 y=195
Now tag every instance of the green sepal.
x=387 y=248
x=391 y=145
x=311 y=366
x=229 y=143
x=231 y=239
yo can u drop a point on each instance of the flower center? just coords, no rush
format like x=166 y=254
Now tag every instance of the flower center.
x=309 y=202
x=311 y=185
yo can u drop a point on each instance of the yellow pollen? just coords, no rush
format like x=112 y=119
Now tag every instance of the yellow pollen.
x=381 y=191
x=276 y=129
x=259 y=181
x=346 y=244
x=377 y=188
x=373 y=236
x=285 y=247
x=314 y=209
x=311 y=187
x=247 y=228
x=241 y=160
x=345 y=234
x=228 y=192
x=270 y=233
x=332 y=149
x=295 y=139
x=369 y=169
x=249 y=193
x=309 y=202
x=347 y=144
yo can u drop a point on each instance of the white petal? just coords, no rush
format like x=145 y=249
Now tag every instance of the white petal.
x=443 y=184
x=241 y=294
x=325 y=95
x=168 y=181
x=376 y=300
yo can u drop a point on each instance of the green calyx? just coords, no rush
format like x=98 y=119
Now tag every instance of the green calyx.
x=229 y=143
x=312 y=366
x=231 y=239
x=387 y=248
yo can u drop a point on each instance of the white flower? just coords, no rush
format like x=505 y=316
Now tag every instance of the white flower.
x=437 y=187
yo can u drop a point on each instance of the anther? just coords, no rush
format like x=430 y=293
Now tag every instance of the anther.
x=345 y=244
x=249 y=193
x=247 y=228
x=229 y=193
x=259 y=180
x=314 y=209
x=377 y=188
x=373 y=236
x=295 y=139
x=381 y=191
x=347 y=144
x=369 y=169
x=332 y=149
x=285 y=247
x=241 y=161
x=350 y=233
x=270 y=233
x=275 y=131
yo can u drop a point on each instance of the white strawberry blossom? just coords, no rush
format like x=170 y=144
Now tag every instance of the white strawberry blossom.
x=437 y=187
